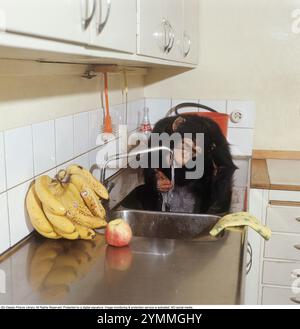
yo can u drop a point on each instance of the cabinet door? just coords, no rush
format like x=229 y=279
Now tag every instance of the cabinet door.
x=151 y=28
x=258 y=200
x=53 y=19
x=280 y=296
x=115 y=25
x=191 y=31
x=173 y=12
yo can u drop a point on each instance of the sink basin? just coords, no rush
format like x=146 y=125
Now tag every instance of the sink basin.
x=168 y=225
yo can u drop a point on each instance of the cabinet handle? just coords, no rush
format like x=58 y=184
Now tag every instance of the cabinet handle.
x=171 y=33
x=295 y=300
x=298 y=219
x=167 y=35
x=87 y=20
x=297 y=246
x=102 y=25
x=187 y=38
x=249 y=263
x=295 y=274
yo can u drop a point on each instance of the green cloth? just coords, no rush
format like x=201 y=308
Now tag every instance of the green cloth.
x=241 y=219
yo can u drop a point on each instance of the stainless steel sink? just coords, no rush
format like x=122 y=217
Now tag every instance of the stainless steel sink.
x=168 y=225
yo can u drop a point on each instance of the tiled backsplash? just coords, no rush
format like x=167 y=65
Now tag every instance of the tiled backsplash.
x=46 y=147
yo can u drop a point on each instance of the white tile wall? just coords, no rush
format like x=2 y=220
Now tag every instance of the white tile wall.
x=118 y=114
x=43 y=135
x=158 y=107
x=2 y=164
x=45 y=148
x=95 y=125
x=18 y=155
x=19 y=224
x=135 y=114
x=241 y=141
x=81 y=133
x=93 y=161
x=247 y=109
x=51 y=173
x=64 y=135
x=175 y=102
x=4 y=224
x=83 y=160
x=241 y=174
x=217 y=105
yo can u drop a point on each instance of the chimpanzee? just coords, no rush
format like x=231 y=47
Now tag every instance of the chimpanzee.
x=211 y=193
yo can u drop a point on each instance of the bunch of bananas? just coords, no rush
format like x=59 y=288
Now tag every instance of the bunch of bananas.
x=54 y=266
x=67 y=207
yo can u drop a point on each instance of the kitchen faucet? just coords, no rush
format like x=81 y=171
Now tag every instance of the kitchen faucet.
x=132 y=154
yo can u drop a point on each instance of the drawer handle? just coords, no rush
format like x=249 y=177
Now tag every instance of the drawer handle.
x=298 y=219
x=295 y=274
x=295 y=300
x=297 y=246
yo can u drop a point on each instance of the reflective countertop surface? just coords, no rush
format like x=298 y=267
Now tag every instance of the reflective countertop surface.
x=149 y=271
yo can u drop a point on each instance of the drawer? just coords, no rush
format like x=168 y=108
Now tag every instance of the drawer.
x=283 y=246
x=280 y=296
x=283 y=219
x=280 y=273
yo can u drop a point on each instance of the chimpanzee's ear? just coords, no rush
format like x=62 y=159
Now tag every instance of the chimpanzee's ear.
x=180 y=120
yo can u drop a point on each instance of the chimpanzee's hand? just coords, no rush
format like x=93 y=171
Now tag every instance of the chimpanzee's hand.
x=163 y=182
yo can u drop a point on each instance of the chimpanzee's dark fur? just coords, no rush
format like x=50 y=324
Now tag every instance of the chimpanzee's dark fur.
x=212 y=192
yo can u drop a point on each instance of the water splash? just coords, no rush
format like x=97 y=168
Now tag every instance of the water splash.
x=168 y=196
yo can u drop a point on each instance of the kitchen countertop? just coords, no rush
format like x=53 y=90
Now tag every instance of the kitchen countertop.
x=150 y=271
x=275 y=174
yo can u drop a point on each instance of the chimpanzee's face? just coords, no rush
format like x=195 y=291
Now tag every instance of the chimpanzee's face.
x=185 y=151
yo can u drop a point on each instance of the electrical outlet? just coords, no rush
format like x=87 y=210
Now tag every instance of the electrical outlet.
x=236 y=116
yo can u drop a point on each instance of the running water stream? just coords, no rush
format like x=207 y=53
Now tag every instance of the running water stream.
x=168 y=196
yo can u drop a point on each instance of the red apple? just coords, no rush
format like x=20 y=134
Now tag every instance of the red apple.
x=118 y=259
x=118 y=233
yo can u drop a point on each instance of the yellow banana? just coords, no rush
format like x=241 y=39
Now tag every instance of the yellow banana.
x=93 y=203
x=61 y=222
x=92 y=182
x=48 y=191
x=85 y=233
x=51 y=235
x=73 y=198
x=241 y=219
x=69 y=236
x=35 y=212
x=81 y=218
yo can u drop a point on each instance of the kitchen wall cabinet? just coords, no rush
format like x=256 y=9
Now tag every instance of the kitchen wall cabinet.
x=66 y=20
x=137 y=32
x=275 y=273
x=168 y=29
x=114 y=25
